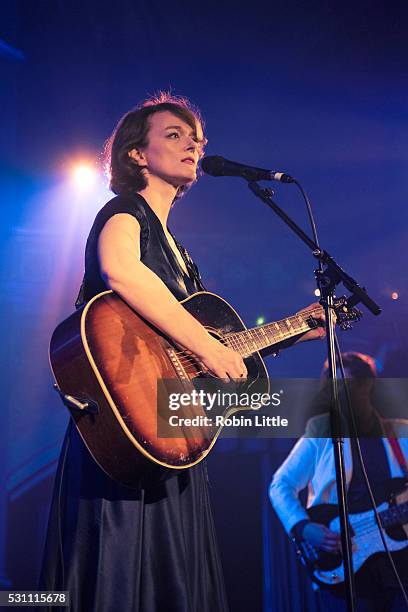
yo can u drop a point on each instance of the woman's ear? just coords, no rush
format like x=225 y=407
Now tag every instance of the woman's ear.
x=138 y=156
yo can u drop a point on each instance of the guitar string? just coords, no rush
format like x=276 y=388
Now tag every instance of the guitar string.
x=368 y=524
x=369 y=520
x=239 y=345
x=261 y=330
x=237 y=340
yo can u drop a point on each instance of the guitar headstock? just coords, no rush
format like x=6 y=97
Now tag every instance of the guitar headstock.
x=346 y=314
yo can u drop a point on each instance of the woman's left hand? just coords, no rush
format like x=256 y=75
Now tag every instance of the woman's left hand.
x=318 y=314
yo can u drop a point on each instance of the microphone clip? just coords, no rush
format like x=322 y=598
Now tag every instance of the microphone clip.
x=266 y=192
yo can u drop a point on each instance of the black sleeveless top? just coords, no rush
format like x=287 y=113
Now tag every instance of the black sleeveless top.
x=155 y=251
x=149 y=549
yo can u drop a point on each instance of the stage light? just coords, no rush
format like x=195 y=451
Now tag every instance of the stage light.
x=84 y=175
x=260 y=320
x=394 y=295
x=317 y=292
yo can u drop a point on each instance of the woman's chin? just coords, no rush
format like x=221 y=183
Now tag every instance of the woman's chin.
x=185 y=181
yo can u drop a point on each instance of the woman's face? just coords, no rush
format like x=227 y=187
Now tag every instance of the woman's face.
x=173 y=149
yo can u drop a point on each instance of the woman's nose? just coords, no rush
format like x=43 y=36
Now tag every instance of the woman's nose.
x=192 y=144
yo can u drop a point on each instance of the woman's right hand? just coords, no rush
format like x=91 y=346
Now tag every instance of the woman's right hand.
x=222 y=361
x=322 y=537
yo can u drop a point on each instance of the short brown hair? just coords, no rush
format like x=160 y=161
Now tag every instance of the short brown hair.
x=359 y=364
x=125 y=176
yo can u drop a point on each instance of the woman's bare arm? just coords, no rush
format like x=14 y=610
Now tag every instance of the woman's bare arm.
x=143 y=290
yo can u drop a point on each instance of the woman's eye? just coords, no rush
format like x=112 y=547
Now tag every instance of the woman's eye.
x=173 y=135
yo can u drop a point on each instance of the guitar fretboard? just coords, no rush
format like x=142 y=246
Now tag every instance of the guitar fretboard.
x=251 y=340
x=395 y=515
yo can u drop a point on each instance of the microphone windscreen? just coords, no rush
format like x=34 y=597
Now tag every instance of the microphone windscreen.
x=213 y=165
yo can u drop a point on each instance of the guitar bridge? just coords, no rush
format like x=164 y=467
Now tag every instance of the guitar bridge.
x=181 y=373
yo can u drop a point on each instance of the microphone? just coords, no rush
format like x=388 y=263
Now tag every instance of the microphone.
x=215 y=165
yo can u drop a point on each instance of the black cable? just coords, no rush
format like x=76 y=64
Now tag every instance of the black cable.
x=309 y=212
x=354 y=432
x=312 y=225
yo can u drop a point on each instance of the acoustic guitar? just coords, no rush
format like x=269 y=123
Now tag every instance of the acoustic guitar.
x=111 y=368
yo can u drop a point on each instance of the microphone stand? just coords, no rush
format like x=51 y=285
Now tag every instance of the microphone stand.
x=327 y=279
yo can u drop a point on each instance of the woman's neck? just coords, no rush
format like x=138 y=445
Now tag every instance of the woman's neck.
x=160 y=196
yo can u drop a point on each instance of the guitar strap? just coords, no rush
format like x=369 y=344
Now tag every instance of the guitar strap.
x=396 y=448
x=192 y=269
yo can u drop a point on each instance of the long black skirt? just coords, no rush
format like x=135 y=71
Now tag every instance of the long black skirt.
x=147 y=550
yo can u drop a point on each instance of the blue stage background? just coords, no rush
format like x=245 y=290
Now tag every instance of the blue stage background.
x=315 y=89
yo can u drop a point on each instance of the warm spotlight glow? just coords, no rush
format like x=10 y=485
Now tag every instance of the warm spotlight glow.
x=260 y=320
x=317 y=292
x=84 y=175
x=394 y=295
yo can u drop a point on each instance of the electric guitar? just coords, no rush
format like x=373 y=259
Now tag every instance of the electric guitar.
x=327 y=569
x=110 y=367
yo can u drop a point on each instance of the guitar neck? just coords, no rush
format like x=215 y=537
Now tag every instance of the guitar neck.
x=395 y=515
x=264 y=336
